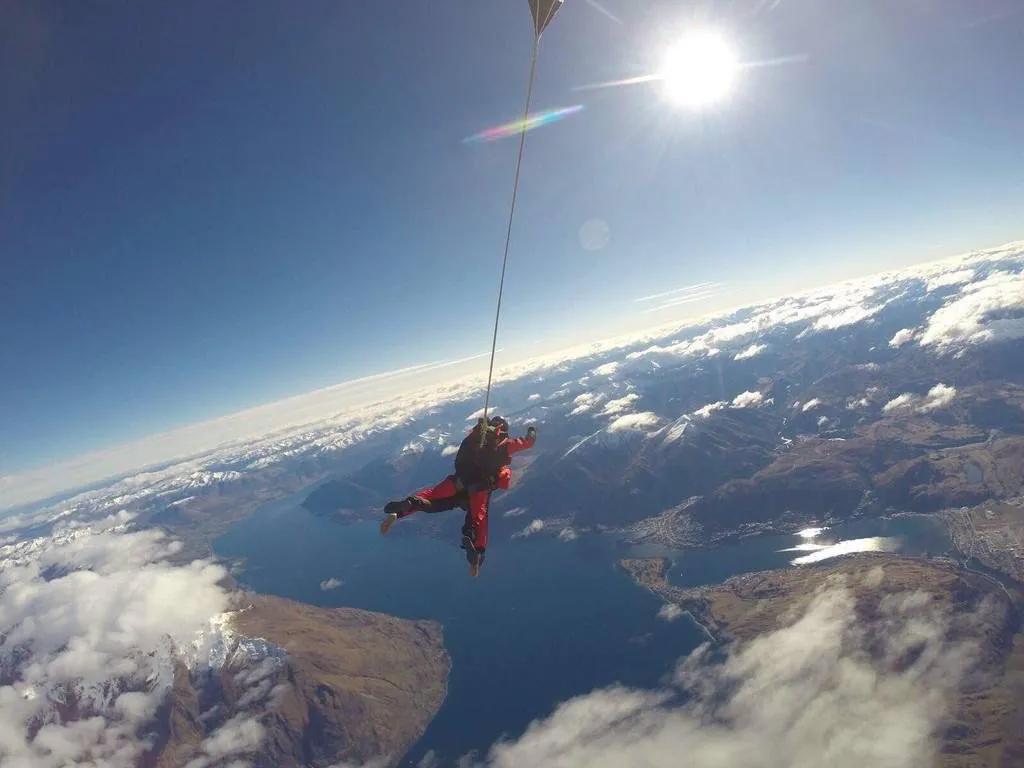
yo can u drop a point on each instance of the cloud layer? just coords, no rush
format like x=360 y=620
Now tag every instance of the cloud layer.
x=986 y=311
x=93 y=621
x=826 y=690
x=971 y=300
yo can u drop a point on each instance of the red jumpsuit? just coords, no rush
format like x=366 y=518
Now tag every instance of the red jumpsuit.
x=454 y=491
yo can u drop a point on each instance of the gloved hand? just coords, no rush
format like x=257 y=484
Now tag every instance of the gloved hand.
x=531 y=432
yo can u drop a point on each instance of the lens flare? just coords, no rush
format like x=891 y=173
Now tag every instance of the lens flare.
x=514 y=128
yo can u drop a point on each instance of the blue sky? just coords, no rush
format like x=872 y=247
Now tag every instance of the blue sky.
x=204 y=208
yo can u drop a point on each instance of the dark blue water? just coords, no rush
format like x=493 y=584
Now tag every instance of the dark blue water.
x=546 y=621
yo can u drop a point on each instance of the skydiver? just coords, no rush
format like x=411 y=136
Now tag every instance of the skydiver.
x=481 y=466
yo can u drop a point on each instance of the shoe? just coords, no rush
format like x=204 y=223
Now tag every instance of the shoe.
x=389 y=519
x=474 y=556
x=418 y=503
x=397 y=507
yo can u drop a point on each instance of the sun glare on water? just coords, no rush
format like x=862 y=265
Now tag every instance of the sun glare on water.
x=699 y=70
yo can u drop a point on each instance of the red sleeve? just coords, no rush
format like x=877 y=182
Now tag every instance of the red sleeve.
x=517 y=444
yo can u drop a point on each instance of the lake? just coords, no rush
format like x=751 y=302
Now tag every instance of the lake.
x=547 y=619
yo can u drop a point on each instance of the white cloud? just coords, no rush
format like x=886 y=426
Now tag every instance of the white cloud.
x=747 y=399
x=607 y=369
x=568 y=534
x=670 y=612
x=848 y=316
x=633 y=421
x=752 y=351
x=337 y=417
x=905 y=400
x=989 y=310
x=958 y=277
x=348 y=405
x=814 y=402
x=705 y=411
x=536 y=526
x=938 y=396
x=332 y=583
x=622 y=404
x=808 y=695
x=240 y=735
x=902 y=337
x=585 y=402
x=479 y=412
x=449 y=450
x=101 y=613
x=515 y=512
x=534 y=397
x=673 y=350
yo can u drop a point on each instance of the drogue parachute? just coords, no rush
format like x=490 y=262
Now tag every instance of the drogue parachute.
x=543 y=12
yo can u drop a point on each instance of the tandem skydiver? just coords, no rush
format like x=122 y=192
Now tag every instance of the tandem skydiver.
x=482 y=465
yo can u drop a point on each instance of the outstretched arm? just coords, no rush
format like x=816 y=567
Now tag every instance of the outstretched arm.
x=517 y=444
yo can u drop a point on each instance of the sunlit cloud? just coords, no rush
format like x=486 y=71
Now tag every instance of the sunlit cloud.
x=939 y=396
x=985 y=311
x=34 y=484
x=807 y=694
x=532 y=529
x=752 y=351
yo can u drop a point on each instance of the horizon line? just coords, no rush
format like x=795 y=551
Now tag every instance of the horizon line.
x=105 y=452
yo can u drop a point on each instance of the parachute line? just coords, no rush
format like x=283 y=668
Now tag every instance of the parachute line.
x=508 y=232
x=543 y=11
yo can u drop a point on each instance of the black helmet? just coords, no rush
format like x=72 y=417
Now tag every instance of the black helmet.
x=498 y=424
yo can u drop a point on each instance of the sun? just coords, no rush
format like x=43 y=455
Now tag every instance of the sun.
x=699 y=70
